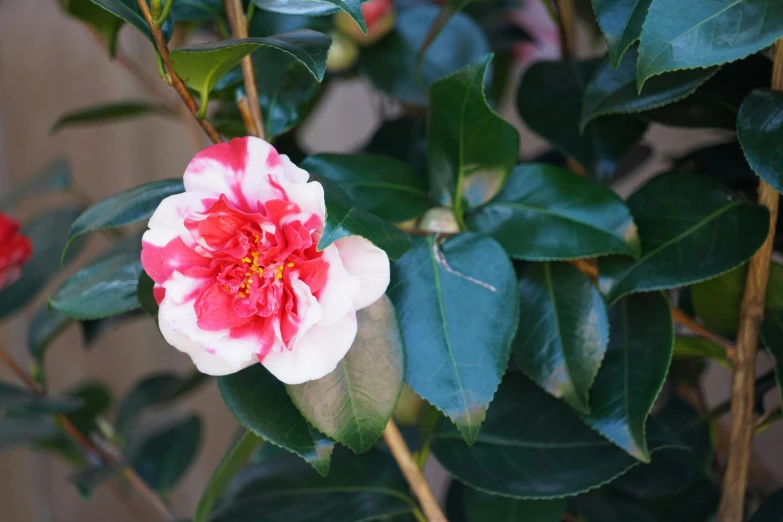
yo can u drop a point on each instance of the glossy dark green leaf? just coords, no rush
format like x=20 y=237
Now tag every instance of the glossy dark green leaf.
x=470 y=149
x=163 y=456
x=359 y=488
x=549 y=100
x=146 y=294
x=124 y=208
x=102 y=20
x=633 y=371
x=54 y=177
x=687 y=35
x=716 y=302
x=155 y=391
x=772 y=337
x=94 y=329
x=25 y=430
x=353 y=403
x=771 y=510
x=381 y=185
x=343 y=220
x=760 y=130
x=391 y=64
x=108 y=113
x=202 y=65
x=563 y=331
x=260 y=403
x=197 y=10
x=613 y=91
x=103 y=289
x=15 y=399
x=610 y=508
x=533 y=446
x=403 y=138
x=546 y=212
x=621 y=22
x=48 y=233
x=233 y=461
x=483 y=507
x=673 y=472
x=684 y=239
x=725 y=162
x=129 y=11
x=315 y=8
x=46 y=325
x=96 y=400
x=458 y=307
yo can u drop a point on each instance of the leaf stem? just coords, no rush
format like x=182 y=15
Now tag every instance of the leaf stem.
x=88 y=446
x=419 y=485
x=566 y=28
x=735 y=480
x=164 y=13
x=176 y=81
x=238 y=21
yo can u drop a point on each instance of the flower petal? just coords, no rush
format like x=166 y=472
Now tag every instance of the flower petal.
x=316 y=354
x=337 y=296
x=369 y=264
x=168 y=220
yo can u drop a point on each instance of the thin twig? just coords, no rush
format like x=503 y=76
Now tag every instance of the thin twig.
x=176 y=82
x=566 y=27
x=699 y=329
x=238 y=21
x=87 y=445
x=421 y=488
x=735 y=481
x=766 y=419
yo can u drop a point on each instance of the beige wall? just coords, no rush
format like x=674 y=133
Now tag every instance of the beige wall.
x=49 y=65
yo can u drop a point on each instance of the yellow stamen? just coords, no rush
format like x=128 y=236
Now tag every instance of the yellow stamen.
x=290 y=265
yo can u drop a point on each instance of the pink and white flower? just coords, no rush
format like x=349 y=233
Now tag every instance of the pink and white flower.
x=238 y=276
x=15 y=250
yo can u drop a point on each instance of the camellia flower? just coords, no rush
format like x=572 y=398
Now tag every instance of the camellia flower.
x=15 y=250
x=238 y=276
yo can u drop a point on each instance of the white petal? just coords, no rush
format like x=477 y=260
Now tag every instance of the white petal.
x=341 y=288
x=168 y=220
x=369 y=264
x=204 y=361
x=316 y=354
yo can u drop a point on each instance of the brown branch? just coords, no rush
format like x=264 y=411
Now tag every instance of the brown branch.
x=700 y=330
x=236 y=17
x=751 y=315
x=87 y=445
x=176 y=82
x=566 y=27
x=419 y=485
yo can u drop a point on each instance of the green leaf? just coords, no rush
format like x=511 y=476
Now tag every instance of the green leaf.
x=717 y=301
x=633 y=371
x=483 y=507
x=19 y=400
x=381 y=185
x=108 y=113
x=771 y=509
x=545 y=212
x=684 y=239
x=772 y=337
x=145 y=293
x=25 y=430
x=315 y=8
x=402 y=138
x=700 y=348
x=391 y=64
x=129 y=11
x=563 y=331
x=197 y=10
x=54 y=177
x=361 y=488
x=549 y=100
x=105 y=288
x=533 y=446
x=610 y=507
x=458 y=308
x=760 y=130
x=155 y=390
x=96 y=399
x=470 y=149
x=44 y=328
x=613 y=91
x=621 y=22
x=690 y=35
x=260 y=403
x=125 y=208
x=102 y=20
x=202 y=65
x=163 y=457
x=353 y=403
x=94 y=329
x=343 y=220
x=48 y=233
x=233 y=461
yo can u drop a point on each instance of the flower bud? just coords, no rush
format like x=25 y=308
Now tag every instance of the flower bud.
x=439 y=219
x=379 y=16
x=342 y=53
x=15 y=250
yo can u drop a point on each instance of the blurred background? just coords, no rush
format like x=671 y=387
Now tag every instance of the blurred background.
x=49 y=64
